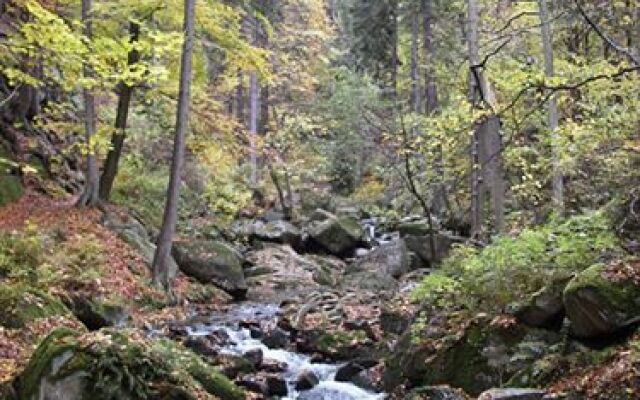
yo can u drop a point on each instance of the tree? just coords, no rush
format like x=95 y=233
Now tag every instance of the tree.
x=110 y=168
x=89 y=196
x=547 y=44
x=160 y=265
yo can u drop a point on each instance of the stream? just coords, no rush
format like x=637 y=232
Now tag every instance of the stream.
x=240 y=342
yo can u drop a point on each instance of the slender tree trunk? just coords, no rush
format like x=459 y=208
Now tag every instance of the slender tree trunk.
x=254 y=92
x=477 y=209
x=395 y=60
x=89 y=196
x=161 y=276
x=240 y=99
x=415 y=79
x=429 y=51
x=547 y=44
x=110 y=169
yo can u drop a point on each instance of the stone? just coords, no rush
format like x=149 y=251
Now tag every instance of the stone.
x=347 y=371
x=421 y=246
x=70 y=366
x=255 y=357
x=276 y=338
x=390 y=259
x=598 y=307
x=212 y=262
x=201 y=345
x=512 y=394
x=306 y=380
x=338 y=236
x=282 y=232
x=96 y=313
x=545 y=308
x=435 y=393
x=276 y=386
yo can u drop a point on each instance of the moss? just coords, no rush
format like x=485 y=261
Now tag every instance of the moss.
x=339 y=344
x=10 y=189
x=57 y=343
x=20 y=305
x=618 y=295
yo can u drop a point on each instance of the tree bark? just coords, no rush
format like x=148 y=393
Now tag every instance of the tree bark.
x=160 y=268
x=477 y=209
x=110 y=169
x=89 y=197
x=547 y=44
x=429 y=51
x=415 y=79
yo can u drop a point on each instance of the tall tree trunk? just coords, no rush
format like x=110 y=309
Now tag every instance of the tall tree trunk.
x=89 y=196
x=415 y=79
x=477 y=208
x=547 y=44
x=395 y=59
x=254 y=92
x=161 y=276
x=110 y=169
x=240 y=99
x=429 y=51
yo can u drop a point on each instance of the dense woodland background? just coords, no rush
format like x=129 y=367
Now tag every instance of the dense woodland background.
x=510 y=128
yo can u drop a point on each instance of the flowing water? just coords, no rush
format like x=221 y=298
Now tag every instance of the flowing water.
x=240 y=342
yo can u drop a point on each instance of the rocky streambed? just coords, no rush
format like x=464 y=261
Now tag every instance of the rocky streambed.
x=278 y=370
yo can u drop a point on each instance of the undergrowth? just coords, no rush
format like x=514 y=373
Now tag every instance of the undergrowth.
x=511 y=268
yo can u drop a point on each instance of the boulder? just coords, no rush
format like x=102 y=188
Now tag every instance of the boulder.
x=276 y=338
x=338 y=236
x=512 y=394
x=282 y=232
x=352 y=368
x=306 y=380
x=70 y=366
x=212 y=262
x=462 y=350
x=414 y=228
x=597 y=306
x=543 y=309
x=276 y=386
x=255 y=357
x=421 y=246
x=20 y=305
x=390 y=259
x=97 y=313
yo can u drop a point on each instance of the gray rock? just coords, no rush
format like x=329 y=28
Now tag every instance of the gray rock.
x=597 y=306
x=435 y=393
x=390 y=259
x=95 y=313
x=339 y=236
x=306 y=380
x=212 y=262
x=512 y=394
x=282 y=232
x=421 y=246
x=545 y=308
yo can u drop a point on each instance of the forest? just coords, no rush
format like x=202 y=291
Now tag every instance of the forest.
x=319 y=199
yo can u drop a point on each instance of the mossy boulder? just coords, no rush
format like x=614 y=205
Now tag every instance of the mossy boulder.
x=464 y=351
x=597 y=306
x=338 y=236
x=118 y=365
x=97 y=313
x=543 y=309
x=20 y=305
x=212 y=262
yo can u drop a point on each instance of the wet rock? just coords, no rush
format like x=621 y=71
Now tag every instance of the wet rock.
x=212 y=262
x=512 y=394
x=352 y=368
x=597 y=307
x=339 y=236
x=253 y=385
x=435 y=393
x=273 y=366
x=276 y=386
x=366 y=380
x=276 y=338
x=233 y=366
x=201 y=345
x=255 y=357
x=306 y=380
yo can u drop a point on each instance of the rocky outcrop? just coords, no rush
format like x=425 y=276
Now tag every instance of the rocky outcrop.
x=597 y=306
x=338 y=235
x=212 y=262
x=96 y=313
x=110 y=364
x=379 y=269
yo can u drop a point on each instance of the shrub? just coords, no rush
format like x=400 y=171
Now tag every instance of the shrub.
x=511 y=268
